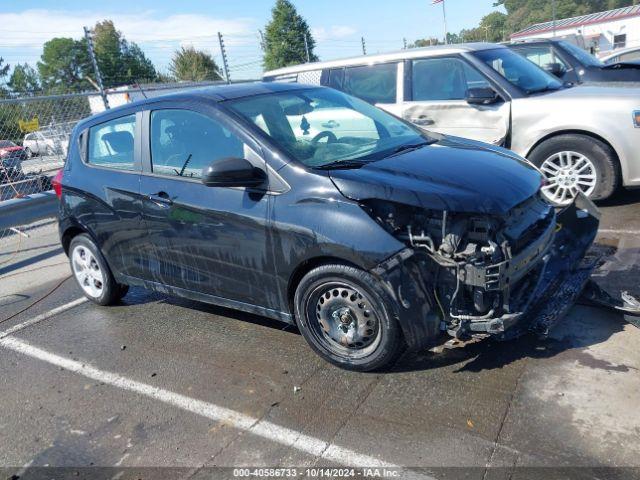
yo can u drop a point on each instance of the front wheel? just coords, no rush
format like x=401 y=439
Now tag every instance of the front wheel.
x=576 y=163
x=92 y=273
x=345 y=316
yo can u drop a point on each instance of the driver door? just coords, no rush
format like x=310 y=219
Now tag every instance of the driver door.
x=436 y=101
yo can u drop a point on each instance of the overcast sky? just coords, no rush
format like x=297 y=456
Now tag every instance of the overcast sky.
x=160 y=26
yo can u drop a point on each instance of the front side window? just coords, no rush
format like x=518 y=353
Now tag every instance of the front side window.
x=319 y=127
x=183 y=142
x=444 y=79
x=581 y=55
x=111 y=143
x=542 y=56
x=518 y=71
x=372 y=83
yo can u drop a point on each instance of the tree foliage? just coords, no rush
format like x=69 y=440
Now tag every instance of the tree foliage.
x=285 y=37
x=193 y=65
x=120 y=62
x=64 y=66
x=24 y=80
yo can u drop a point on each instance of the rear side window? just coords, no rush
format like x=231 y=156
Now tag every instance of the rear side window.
x=372 y=83
x=111 y=143
x=443 y=79
x=183 y=142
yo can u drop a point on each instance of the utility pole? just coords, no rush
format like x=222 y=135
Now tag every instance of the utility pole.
x=404 y=42
x=364 y=46
x=94 y=61
x=263 y=46
x=225 y=65
x=553 y=9
x=444 y=22
x=306 y=47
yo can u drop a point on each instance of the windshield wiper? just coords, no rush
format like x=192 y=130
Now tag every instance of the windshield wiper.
x=342 y=164
x=409 y=147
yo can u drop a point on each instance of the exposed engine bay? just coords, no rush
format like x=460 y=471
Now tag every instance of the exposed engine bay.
x=482 y=271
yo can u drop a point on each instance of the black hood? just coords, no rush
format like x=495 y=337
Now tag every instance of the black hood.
x=617 y=72
x=453 y=174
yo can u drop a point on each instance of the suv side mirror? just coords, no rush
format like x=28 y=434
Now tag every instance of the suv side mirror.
x=233 y=172
x=482 y=96
x=555 y=68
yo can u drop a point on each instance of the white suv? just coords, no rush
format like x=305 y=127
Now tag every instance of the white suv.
x=584 y=139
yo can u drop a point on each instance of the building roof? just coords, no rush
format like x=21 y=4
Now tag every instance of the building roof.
x=593 y=18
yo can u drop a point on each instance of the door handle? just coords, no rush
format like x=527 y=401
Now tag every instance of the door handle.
x=422 y=120
x=161 y=199
x=331 y=124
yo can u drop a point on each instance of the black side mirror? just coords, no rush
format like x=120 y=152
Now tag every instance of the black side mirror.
x=482 y=96
x=233 y=172
x=555 y=68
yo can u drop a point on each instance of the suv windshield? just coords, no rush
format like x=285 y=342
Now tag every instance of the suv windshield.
x=321 y=127
x=583 y=56
x=518 y=71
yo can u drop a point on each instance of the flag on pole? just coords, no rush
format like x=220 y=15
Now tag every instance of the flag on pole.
x=437 y=1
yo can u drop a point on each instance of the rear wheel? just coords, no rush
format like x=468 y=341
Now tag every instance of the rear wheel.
x=576 y=163
x=28 y=153
x=344 y=315
x=92 y=272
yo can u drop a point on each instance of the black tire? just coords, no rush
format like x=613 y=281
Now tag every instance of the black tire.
x=109 y=291
x=363 y=303
x=601 y=155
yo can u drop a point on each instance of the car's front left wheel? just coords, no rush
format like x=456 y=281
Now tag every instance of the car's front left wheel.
x=92 y=273
x=345 y=316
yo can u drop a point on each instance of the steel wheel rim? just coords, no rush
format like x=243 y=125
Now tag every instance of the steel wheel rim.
x=343 y=320
x=87 y=271
x=568 y=173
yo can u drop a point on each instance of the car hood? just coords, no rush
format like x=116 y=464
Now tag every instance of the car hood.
x=603 y=91
x=453 y=174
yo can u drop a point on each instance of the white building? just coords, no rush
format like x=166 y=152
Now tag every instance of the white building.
x=600 y=33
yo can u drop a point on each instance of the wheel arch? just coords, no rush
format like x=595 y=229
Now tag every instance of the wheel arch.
x=69 y=234
x=585 y=133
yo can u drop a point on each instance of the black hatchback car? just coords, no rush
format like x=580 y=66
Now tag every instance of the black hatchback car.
x=370 y=236
x=574 y=65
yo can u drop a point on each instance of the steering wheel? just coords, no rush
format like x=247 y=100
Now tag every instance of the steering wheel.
x=331 y=137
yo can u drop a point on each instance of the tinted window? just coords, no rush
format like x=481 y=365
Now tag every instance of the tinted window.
x=111 y=143
x=184 y=142
x=581 y=55
x=541 y=56
x=335 y=78
x=372 y=83
x=444 y=79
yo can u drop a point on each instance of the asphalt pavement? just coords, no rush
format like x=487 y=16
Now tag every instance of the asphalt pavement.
x=163 y=382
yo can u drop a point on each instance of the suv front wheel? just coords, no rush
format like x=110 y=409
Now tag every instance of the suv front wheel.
x=345 y=316
x=575 y=163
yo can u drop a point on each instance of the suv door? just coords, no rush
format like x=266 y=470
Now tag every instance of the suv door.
x=210 y=240
x=436 y=100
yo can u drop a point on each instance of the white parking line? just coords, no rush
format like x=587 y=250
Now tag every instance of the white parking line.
x=624 y=232
x=262 y=428
x=43 y=316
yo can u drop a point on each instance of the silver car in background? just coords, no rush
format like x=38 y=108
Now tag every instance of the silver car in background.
x=584 y=139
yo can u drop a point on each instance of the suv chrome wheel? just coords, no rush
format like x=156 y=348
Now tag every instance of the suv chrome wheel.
x=87 y=271
x=567 y=174
x=345 y=321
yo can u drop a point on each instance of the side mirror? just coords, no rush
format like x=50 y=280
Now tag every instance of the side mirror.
x=555 y=68
x=482 y=96
x=233 y=172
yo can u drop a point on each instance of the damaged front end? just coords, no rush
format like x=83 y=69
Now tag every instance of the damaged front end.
x=476 y=275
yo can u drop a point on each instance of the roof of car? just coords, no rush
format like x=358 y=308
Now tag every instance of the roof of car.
x=217 y=93
x=385 y=57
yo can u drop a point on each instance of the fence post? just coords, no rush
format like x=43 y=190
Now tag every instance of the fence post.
x=225 y=65
x=364 y=47
x=94 y=61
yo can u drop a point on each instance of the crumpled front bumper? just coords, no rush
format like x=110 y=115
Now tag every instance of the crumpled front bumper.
x=563 y=268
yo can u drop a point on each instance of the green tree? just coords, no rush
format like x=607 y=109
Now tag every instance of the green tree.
x=285 y=37
x=24 y=80
x=120 y=62
x=65 y=66
x=193 y=65
x=4 y=70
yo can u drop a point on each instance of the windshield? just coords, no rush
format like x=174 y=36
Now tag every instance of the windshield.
x=321 y=127
x=518 y=71
x=583 y=56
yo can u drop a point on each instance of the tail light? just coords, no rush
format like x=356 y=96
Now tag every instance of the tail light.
x=56 y=183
